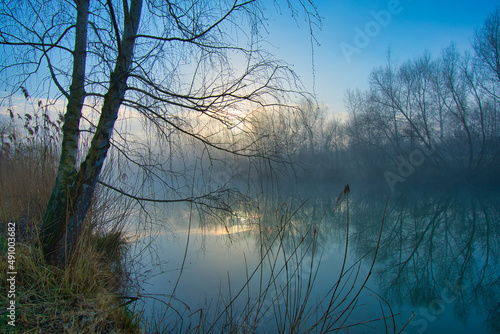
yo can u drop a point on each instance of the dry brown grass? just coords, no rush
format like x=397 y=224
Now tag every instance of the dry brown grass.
x=83 y=296
x=26 y=180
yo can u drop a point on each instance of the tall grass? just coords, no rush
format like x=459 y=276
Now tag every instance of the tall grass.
x=84 y=295
x=28 y=162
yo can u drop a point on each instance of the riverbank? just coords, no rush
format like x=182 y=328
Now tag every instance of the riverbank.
x=83 y=296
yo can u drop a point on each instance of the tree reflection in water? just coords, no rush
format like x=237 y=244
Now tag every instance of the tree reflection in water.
x=438 y=256
x=439 y=251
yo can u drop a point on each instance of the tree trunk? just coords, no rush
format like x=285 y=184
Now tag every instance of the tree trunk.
x=66 y=220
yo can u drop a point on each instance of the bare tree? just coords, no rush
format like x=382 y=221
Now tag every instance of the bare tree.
x=487 y=53
x=448 y=102
x=175 y=63
x=487 y=43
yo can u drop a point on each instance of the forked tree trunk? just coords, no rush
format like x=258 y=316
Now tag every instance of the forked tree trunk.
x=73 y=191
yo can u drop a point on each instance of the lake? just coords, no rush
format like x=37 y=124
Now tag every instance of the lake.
x=321 y=260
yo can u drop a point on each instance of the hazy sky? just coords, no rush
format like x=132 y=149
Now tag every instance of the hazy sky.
x=345 y=57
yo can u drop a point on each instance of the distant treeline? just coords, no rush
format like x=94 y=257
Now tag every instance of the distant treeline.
x=427 y=120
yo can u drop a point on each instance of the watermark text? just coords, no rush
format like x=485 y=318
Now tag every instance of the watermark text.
x=11 y=273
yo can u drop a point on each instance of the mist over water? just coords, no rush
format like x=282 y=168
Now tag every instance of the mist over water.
x=437 y=260
x=400 y=197
x=419 y=219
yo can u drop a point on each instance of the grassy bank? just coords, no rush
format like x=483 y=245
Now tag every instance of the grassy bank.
x=84 y=295
x=80 y=298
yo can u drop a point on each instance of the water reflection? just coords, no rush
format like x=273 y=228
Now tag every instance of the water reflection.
x=437 y=260
x=438 y=253
x=438 y=256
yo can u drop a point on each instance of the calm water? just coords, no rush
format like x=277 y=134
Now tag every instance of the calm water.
x=437 y=262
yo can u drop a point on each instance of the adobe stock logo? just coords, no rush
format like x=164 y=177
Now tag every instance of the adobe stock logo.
x=363 y=37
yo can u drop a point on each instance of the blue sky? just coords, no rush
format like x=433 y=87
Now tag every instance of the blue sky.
x=413 y=27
